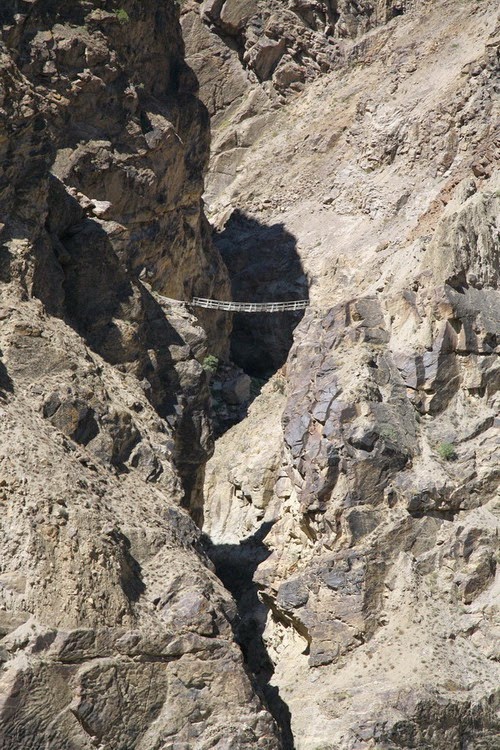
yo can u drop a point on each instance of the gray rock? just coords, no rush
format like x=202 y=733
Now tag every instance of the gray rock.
x=237 y=389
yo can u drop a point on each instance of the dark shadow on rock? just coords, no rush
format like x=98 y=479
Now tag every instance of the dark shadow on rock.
x=5 y=264
x=235 y=565
x=6 y=384
x=120 y=319
x=130 y=571
x=115 y=314
x=263 y=266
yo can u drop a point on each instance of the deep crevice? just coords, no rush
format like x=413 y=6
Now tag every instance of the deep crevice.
x=235 y=565
x=263 y=266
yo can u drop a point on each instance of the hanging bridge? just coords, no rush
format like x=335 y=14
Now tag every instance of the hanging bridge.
x=248 y=307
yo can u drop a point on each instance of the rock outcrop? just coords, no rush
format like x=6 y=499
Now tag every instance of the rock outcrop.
x=330 y=578
x=363 y=487
x=115 y=632
x=120 y=218
x=251 y=56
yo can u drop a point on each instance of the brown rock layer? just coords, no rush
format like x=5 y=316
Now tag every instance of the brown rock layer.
x=363 y=487
x=115 y=633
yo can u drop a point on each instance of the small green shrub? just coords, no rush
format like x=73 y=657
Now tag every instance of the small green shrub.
x=447 y=451
x=389 y=433
x=210 y=364
x=279 y=384
x=122 y=16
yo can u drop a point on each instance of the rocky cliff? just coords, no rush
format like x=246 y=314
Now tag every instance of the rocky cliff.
x=362 y=490
x=115 y=631
x=329 y=579
x=251 y=57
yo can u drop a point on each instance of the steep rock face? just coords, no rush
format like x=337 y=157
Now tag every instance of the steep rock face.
x=127 y=130
x=250 y=56
x=380 y=490
x=384 y=551
x=123 y=216
x=371 y=513
x=115 y=633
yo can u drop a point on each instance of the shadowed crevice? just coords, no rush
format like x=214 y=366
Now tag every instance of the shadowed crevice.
x=6 y=384
x=263 y=266
x=131 y=580
x=235 y=565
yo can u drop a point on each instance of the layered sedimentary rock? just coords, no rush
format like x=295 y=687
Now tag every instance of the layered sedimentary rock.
x=363 y=487
x=115 y=633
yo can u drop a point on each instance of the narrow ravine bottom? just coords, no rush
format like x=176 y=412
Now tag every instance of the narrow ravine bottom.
x=235 y=565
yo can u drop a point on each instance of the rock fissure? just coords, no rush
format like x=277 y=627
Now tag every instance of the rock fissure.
x=276 y=532
x=235 y=566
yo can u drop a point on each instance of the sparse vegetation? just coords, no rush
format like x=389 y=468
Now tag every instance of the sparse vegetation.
x=256 y=386
x=122 y=16
x=210 y=364
x=279 y=384
x=389 y=433
x=447 y=451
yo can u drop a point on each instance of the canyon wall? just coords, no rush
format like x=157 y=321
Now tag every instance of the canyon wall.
x=362 y=489
x=252 y=57
x=328 y=579
x=115 y=632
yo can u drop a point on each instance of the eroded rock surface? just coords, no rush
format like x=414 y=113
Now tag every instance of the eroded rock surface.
x=115 y=632
x=120 y=217
x=367 y=493
x=353 y=512
x=250 y=57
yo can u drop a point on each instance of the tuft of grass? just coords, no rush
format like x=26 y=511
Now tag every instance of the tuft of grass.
x=210 y=364
x=447 y=451
x=389 y=433
x=122 y=16
x=279 y=384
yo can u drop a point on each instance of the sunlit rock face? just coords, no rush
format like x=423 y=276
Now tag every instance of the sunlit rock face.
x=115 y=632
x=329 y=580
x=363 y=486
x=252 y=57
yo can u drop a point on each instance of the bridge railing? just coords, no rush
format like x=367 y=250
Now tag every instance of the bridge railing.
x=251 y=307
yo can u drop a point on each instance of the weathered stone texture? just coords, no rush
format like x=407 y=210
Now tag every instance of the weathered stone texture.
x=115 y=633
x=250 y=57
x=375 y=542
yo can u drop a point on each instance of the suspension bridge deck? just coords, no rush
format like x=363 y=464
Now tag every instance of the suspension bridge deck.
x=247 y=307
x=250 y=307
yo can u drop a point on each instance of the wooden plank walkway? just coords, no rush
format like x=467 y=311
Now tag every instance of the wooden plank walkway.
x=250 y=307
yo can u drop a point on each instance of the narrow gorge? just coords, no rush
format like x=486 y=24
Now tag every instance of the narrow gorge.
x=269 y=531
